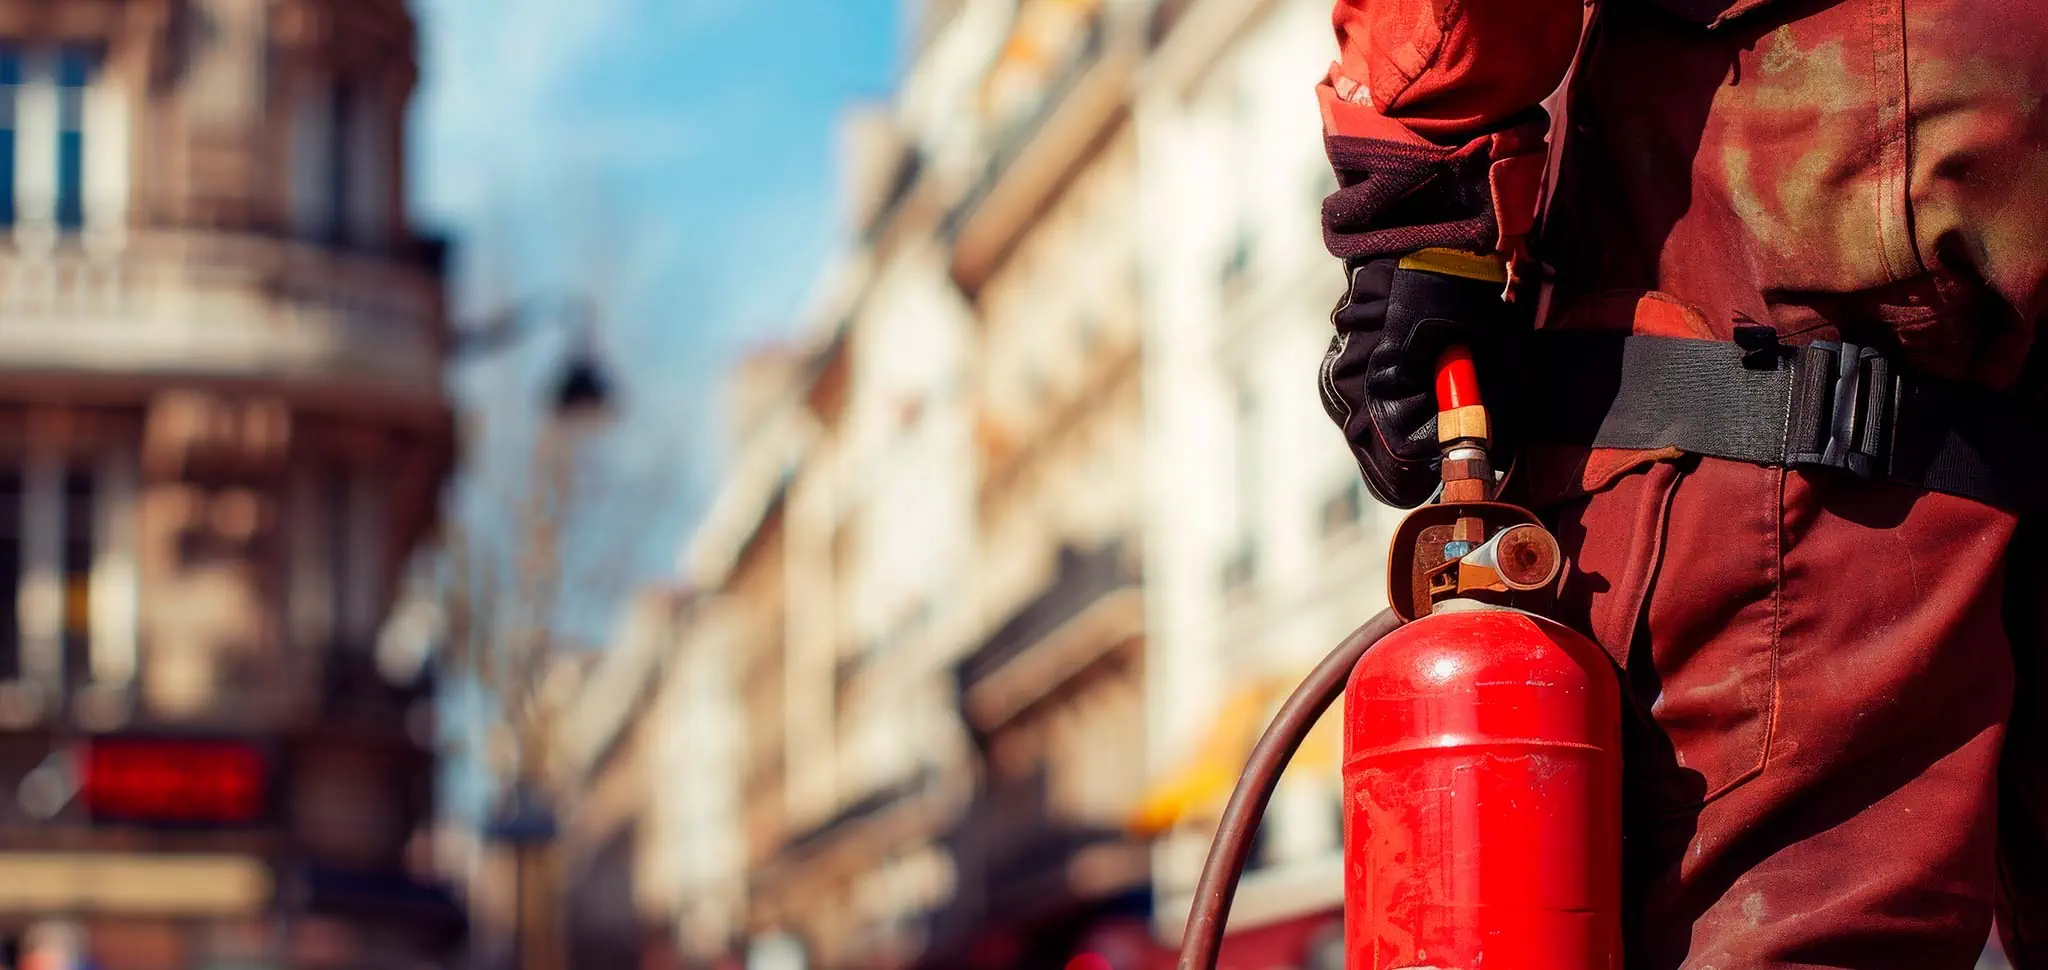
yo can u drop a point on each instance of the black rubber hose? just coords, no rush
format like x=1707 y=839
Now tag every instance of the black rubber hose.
x=1203 y=939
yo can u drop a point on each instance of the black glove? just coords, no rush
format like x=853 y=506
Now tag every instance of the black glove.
x=1379 y=378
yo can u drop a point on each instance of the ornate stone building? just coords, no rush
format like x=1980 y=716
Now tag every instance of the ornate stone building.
x=222 y=429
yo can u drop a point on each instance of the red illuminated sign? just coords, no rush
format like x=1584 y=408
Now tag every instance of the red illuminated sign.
x=174 y=782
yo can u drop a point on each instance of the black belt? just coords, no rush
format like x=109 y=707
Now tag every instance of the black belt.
x=1827 y=406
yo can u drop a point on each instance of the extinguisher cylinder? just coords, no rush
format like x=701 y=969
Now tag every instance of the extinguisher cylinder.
x=1482 y=792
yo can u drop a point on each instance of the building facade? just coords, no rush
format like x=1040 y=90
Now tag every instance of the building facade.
x=1037 y=520
x=1266 y=548
x=617 y=900
x=222 y=430
x=876 y=531
x=1044 y=245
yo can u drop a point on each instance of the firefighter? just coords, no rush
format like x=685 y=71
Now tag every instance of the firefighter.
x=1778 y=403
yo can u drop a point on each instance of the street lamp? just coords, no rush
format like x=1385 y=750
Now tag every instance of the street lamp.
x=582 y=389
x=580 y=395
x=583 y=392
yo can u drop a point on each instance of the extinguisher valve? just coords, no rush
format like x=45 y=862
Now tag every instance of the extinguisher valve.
x=1467 y=545
x=1522 y=558
x=1462 y=429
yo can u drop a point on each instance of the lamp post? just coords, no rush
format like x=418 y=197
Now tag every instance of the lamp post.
x=580 y=395
x=582 y=389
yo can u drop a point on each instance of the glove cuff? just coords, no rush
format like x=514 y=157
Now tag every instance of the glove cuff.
x=1395 y=197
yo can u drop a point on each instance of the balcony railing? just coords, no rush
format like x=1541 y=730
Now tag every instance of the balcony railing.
x=1018 y=863
x=243 y=306
x=909 y=169
x=1014 y=135
x=869 y=806
x=1083 y=579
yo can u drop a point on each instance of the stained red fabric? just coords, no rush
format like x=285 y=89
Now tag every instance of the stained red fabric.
x=1444 y=70
x=1839 y=758
x=1820 y=683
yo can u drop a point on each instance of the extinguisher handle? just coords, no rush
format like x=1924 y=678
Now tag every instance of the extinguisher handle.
x=1457 y=380
x=1462 y=427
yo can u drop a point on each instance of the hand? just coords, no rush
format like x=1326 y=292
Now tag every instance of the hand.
x=1379 y=377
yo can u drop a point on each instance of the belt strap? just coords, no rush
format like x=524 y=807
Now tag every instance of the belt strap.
x=1827 y=406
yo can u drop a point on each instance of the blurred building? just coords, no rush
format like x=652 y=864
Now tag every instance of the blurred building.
x=221 y=430
x=1265 y=548
x=874 y=524
x=1044 y=244
x=1018 y=546
x=616 y=904
x=1022 y=544
x=728 y=725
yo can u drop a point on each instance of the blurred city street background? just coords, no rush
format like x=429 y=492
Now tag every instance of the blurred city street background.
x=660 y=484
x=906 y=494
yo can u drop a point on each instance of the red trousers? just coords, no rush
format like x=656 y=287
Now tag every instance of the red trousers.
x=1820 y=683
x=1828 y=766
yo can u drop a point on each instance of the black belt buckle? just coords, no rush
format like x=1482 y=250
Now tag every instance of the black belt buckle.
x=1843 y=406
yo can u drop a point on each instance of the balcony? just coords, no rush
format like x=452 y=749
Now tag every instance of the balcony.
x=1036 y=150
x=228 y=306
x=1026 y=872
x=1091 y=608
x=887 y=816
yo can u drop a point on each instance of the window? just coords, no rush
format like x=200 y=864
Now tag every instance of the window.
x=81 y=539
x=1242 y=568
x=75 y=69
x=1345 y=508
x=334 y=498
x=63 y=138
x=10 y=99
x=339 y=172
x=355 y=551
x=368 y=138
x=10 y=574
x=1263 y=854
x=1238 y=259
x=312 y=159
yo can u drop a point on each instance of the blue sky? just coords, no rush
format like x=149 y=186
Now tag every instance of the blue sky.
x=675 y=158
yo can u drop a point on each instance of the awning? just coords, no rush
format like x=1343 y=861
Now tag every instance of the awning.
x=156 y=885
x=1198 y=790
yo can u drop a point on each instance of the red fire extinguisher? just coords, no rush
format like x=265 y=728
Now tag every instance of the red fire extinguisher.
x=1482 y=748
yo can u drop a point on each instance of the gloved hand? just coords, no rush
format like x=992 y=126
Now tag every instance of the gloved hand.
x=1379 y=377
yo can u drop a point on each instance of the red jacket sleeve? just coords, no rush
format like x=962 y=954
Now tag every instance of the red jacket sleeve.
x=1432 y=120
x=1444 y=71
